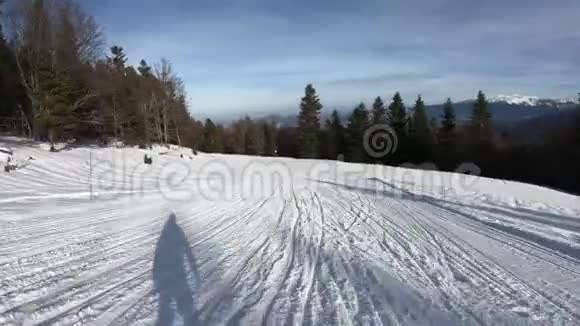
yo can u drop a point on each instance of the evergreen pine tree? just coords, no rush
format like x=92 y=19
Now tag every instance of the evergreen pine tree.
x=119 y=59
x=398 y=115
x=335 y=141
x=68 y=90
x=446 y=133
x=422 y=129
x=309 y=124
x=422 y=141
x=480 y=125
x=447 y=138
x=117 y=93
x=399 y=121
x=357 y=126
x=379 y=113
x=144 y=69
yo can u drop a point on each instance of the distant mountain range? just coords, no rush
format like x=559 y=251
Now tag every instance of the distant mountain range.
x=511 y=109
x=514 y=113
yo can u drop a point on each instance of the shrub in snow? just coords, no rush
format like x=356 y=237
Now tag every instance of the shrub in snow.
x=148 y=160
x=9 y=167
x=102 y=141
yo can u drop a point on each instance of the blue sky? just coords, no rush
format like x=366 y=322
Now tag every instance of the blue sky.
x=238 y=56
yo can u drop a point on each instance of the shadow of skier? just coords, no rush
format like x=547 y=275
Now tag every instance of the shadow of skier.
x=172 y=266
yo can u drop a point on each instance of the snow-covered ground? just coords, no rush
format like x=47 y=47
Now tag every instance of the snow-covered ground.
x=94 y=236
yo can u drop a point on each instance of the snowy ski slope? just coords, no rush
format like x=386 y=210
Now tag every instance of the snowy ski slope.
x=94 y=236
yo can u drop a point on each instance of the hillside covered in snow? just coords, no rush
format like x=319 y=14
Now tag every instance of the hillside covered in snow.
x=93 y=235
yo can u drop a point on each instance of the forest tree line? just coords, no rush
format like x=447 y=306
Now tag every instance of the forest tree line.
x=442 y=144
x=58 y=82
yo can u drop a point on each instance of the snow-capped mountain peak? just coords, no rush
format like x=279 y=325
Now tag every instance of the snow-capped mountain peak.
x=525 y=100
x=517 y=99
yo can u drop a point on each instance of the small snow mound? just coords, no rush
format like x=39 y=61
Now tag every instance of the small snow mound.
x=11 y=162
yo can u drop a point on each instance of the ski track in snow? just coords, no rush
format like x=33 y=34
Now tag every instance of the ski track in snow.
x=379 y=250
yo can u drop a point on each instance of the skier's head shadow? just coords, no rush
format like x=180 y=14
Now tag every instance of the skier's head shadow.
x=175 y=275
